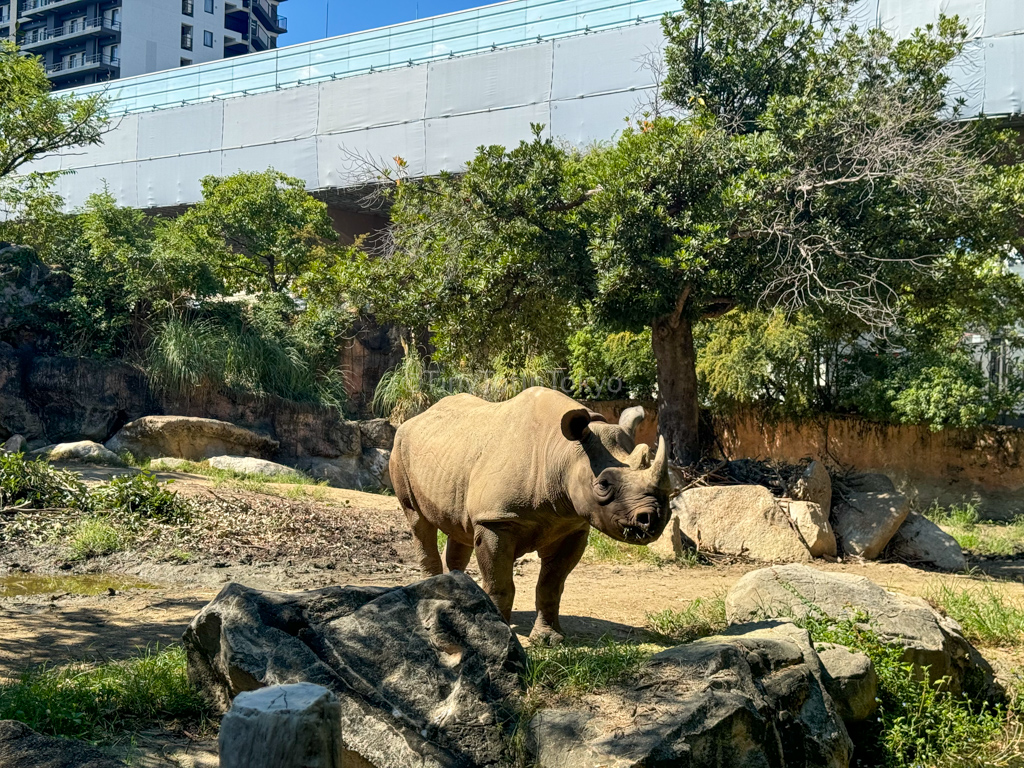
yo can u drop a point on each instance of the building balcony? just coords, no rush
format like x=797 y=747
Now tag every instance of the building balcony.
x=267 y=14
x=30 y=8
x=43 y=39
x=82 y=65
x=236 y=46
x=258 y=37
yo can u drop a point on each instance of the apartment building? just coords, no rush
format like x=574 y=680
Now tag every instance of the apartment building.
x=90 y=41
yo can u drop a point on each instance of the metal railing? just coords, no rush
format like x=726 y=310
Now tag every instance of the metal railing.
x=83 y=61
x=504 y=25
x=34 y=5
x=69 y=28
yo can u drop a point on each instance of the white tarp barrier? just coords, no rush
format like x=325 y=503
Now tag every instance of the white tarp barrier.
x=435 y=115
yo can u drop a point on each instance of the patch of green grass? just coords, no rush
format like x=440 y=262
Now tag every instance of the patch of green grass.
x=92 y=537
x=442 y=541
x=601 y=548
x=995 y=539
x=984 y=613
x=700 y=618
x=573 y=670
x=250 y=479
x=180 y=556
x=106 y=702
x=918 y=723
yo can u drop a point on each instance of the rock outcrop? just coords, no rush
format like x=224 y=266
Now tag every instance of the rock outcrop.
x=815 y=486
x=919 y=541
x=737 y=520
x=15 y=444
x=423 y=672
x=750 y=697
x=188 y=437
x=929 y=639
x=81 y=452
x=21 y=747
x=869 y=515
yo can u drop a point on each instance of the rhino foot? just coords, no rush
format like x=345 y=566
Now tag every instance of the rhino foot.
x=545 y=635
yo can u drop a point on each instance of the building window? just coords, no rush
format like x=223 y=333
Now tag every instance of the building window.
x=187 y=7
x=186 y=37
x=186 y=62
x=114 y=54
x=208 y=39
x=209 y=6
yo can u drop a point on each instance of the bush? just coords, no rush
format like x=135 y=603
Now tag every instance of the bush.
x=919 y=723
x=37 y=484
x=136 y=500
x=104 y=702
x=612 y=365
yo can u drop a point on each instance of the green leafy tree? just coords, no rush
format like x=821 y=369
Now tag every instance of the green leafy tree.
x=260 y=231
x=811 y=167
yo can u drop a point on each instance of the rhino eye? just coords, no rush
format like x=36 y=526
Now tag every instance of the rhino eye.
x=603 y=489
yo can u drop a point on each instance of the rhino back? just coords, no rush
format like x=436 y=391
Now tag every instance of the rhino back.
x=467 y=460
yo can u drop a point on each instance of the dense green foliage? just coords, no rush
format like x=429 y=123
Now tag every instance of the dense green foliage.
x=37 y=484
x=106 y=702
x=918 y=723
x=805 y=166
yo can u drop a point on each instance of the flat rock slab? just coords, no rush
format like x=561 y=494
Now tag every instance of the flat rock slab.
x=249 y=465
x=423 y=673
x=869 y=515
x=188 y=437
x=21 y=747
x=919 y=541
x=929 y=639
x=750 y=697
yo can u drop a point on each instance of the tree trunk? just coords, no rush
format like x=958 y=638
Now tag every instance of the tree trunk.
x=678 y=412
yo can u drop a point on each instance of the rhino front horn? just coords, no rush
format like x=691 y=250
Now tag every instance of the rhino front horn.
x=659 y=468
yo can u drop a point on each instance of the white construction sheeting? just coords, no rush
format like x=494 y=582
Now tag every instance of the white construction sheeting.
x=435 y=114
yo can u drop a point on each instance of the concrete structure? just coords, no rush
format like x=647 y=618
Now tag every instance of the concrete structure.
x=92 y=41
x=433 y=90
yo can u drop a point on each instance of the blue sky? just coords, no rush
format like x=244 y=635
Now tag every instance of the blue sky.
x=307 y=18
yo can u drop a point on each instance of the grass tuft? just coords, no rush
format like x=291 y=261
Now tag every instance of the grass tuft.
x=603 y=549
x=985 y=539
x=573 y=670
x=106 y=702
x=93 y=537
x=700 y=618
x=984 y=613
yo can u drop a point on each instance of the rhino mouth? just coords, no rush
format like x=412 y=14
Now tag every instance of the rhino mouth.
x=642 y=528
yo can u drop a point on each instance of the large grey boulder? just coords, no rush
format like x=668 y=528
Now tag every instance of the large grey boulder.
x=869 y=515
x=14 y=444
x=423 y=673
x=851 y=681
x=815 y=486
x=188 y=437
x=736 y=520
x=750 y=697
x=367 y=471
x=377 y=433
x=248 y=465
x=21 y=747
x=929 y=639
x=919 y=541
x=80 y=452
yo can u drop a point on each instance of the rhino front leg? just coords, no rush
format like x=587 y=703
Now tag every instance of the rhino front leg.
x=424 y=537
x=556 y=564
x=495 y=556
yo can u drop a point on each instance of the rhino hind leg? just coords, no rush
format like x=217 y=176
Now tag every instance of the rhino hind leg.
x=456 y=555
x=424 y=539
x=556 y=564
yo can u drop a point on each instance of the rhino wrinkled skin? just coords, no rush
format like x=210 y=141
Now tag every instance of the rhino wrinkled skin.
x=530 y=474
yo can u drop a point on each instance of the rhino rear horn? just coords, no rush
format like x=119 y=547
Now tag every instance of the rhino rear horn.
x=630 y=420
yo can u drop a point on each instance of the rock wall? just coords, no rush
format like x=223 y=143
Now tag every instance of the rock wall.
x=985 y=465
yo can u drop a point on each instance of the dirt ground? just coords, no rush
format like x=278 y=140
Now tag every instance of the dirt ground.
x=285 y=539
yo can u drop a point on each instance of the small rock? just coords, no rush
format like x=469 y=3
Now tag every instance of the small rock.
x=811 y=520
x=15 y=444
x=252 y=466
x=81 y=452
x=815 y=486
x=850 y=680
x=869 y=515
x=919 y=541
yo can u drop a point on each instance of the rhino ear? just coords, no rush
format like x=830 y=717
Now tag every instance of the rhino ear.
x=576 y=424
x=630 y=420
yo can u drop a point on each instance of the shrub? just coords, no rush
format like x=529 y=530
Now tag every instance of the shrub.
x=104 y=702
x=918 y=723
x=407 y=390
x=38 y=484
x=137 y=500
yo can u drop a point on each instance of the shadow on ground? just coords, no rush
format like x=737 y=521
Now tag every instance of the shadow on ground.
x=582 y=629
